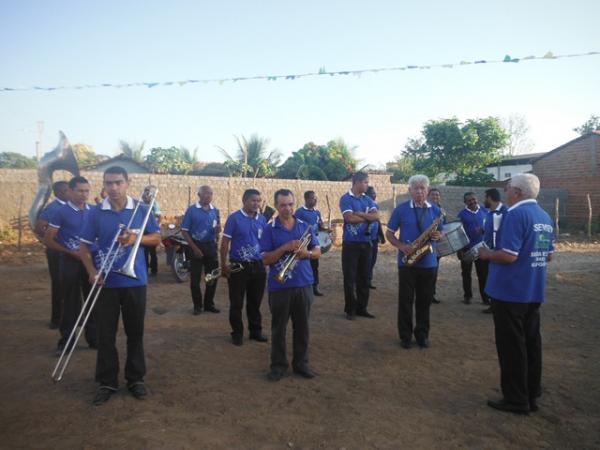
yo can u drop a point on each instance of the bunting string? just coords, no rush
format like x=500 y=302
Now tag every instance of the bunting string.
x=321 y=72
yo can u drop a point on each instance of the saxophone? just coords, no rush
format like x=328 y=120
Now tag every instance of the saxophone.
x=422 y=245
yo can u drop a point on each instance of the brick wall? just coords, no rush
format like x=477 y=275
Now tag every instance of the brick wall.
x=575 y=167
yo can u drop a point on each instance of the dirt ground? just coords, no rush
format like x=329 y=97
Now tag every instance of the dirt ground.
x=369 y=393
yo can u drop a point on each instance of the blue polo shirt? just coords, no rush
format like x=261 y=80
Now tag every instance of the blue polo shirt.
x=374 y=226
x=309 y=216
x=201 y=223
x=527 y=233
x=473 y=222
x=50 y=209
x=101 y=226
x=357 y=232
x=492 y=224
x=69 y=221
x=412 y=222
x=274 y=236
x=245 y=232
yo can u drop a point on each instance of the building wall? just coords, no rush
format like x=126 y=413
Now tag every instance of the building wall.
x=502 y=173
x=576 y=169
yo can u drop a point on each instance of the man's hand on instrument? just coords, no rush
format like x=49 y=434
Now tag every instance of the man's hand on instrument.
x=436 y=235
x=303 y=253
x=127 y=238
x=225 y=270
x=292 y=246
x=407 y=249
x=92 y=278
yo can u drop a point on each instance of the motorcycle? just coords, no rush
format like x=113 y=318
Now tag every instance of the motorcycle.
x=177 y=253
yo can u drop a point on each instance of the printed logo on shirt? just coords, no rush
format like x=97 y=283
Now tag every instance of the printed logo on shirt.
x=73 y=243
x=200 y=236
x=248 y=252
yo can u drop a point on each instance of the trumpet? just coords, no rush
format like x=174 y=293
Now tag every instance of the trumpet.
x=103 y=272
x=215 y=274
x=292 y=258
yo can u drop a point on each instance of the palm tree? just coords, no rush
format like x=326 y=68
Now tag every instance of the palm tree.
x=252 y=157
x=134 y=151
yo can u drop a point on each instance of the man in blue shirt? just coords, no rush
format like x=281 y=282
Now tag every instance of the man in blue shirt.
x=359 y=212
x=150 y=251
x=516 y=285
x=496 y=210
x=61 y=194
x=62 y=236
x=416 y=282
x=473 y=217
x=311 y=215
x=241 y=236
x=120 y=294
x=435 y=198
x=376 y=237
x=294 y=296
x=200 y=227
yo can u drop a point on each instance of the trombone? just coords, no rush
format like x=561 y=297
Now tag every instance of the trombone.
x=103 y=272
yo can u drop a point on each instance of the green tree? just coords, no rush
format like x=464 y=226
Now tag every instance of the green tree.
x=473 y=179
x=333 y=162
x=252 y=157
x=592 y=124
x=13 y=160
x=450 y=147
x=133 y=150
x=213 y=169
x=518 y=135
x=402 y=168
x=84 y=154
x=168 y=160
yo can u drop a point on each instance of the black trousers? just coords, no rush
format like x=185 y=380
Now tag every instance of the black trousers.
x=289 y=303
x=208 y=263
x=481 y=267
x=53 y=258
x=415 y=286
x=131 y=302
x=151 y=259
x=356 y=257
x=519 y=346
x=314 y=264
x=75 y=285
x=373 y=261
x=250 y=283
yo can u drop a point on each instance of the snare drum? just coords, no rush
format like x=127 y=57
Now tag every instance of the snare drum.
x=453 y=240
x=325 y=241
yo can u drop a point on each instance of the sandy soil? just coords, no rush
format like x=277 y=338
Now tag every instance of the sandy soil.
x=370 y=393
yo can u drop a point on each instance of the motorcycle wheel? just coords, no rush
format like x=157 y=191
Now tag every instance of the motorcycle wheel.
x=180 y=268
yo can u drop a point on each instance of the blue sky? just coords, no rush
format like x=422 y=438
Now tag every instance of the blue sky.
x=83 y=42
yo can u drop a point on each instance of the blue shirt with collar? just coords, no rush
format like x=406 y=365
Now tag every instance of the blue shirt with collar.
x=374 y=226
x=50 y=209
x=245 y=232
x=274 y=236
x=201 y=223
x=357 y=232
x=527 y=233
x=310 y=216
x=493 y=221
x=101 y=226
x=412 y=222
x=69 y=221
x=473 y=222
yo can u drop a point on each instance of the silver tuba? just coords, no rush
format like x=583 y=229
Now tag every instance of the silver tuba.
x=61 y=158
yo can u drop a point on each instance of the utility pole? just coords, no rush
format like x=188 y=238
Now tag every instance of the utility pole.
x=38 y=143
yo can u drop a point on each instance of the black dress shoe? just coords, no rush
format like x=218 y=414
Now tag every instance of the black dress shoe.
x=259 y=338
x=275 y=375
x=423 y=343
x=197 y=311
x=53 y=326
x=435 y=300
x=102 y=395
x=93 y=345
x=138 y=390
x=317 y=292
x=212 y=309
x=372 y=287
x=304 y=372
x=487 y=310
x=237 y=339
x=503 y=405
x=467 y=300
x=533 y=406
x=405 y=343
x=366 y=314
x=350 y=316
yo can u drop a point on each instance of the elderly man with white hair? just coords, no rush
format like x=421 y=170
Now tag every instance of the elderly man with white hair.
x=515 y=284
x=416 y=282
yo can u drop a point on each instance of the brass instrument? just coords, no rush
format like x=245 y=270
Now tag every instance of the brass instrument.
x=422 y=245
x=212 y=277
x=60 y=158
x=292 y=258
x=103 y=272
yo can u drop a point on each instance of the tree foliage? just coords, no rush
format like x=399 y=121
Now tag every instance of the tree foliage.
x=168 y=160
x=450 y=147
x=332 y=162
x=133 y=150
x=592 y=124
x=85 y=154
x=473 y=179
x=402 y=168
x=252 y=158
x=13 y=160
x=518 y=135
x=213 y=169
